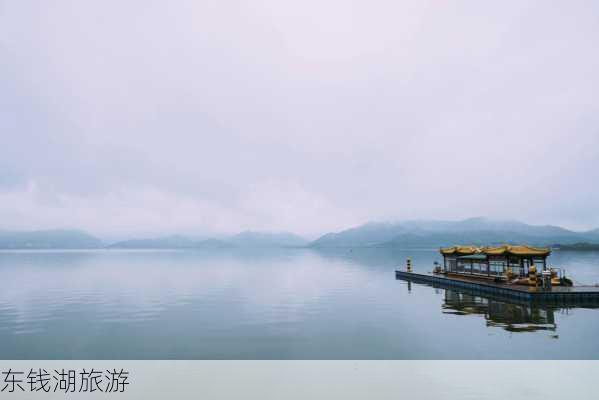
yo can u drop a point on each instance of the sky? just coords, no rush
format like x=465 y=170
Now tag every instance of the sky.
x=148 y=117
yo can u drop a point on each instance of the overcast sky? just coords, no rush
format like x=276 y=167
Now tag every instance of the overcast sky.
x=146 y=117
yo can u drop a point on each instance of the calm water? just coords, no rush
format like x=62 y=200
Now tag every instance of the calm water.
x=270 y=304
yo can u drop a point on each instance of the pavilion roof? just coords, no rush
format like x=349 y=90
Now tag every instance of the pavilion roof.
x=516 y=250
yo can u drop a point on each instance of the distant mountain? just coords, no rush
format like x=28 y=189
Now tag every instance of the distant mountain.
x=478 y=231
x=592 y=236
x=418 y=233
x=244 y=239
x=267 y=239
x=370 y=234
x=48 y=239
x=577 y=247
x=213 y=244
x=169 y=242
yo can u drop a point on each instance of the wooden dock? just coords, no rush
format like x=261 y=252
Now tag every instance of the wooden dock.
x=562 y=295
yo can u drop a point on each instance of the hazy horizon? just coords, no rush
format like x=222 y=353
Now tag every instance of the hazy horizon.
x=134 y=118
x=309 y=238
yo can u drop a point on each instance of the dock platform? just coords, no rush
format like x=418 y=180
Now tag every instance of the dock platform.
x=573 y=295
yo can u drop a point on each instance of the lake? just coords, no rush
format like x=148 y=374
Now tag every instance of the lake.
x=271 y=304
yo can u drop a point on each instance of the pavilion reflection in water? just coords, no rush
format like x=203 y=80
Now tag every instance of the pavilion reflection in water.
x=512 y=317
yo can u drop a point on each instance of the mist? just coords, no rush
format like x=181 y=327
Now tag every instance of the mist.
x=142 y=117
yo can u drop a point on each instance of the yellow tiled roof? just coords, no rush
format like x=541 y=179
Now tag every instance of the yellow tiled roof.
x=517 y=250
x=461 y=250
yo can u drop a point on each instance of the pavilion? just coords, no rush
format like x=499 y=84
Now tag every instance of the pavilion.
x=493 y=261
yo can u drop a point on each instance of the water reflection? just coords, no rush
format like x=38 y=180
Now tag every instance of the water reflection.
x=510 y=316
x=267 y=304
